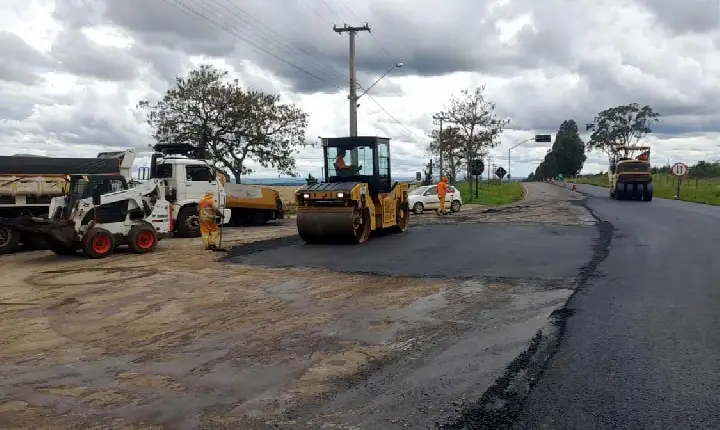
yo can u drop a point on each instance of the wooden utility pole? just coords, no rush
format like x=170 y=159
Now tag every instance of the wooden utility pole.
x=441 y=144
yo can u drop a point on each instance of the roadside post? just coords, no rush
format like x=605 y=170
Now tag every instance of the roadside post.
x=477 y=167
x=679 y=170
x=500 y=172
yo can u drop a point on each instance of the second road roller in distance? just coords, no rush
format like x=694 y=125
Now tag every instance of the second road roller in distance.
x=629 y=175
x=357 y=197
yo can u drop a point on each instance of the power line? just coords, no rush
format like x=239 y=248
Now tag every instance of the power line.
x=398 y=122
x=255 y=47
x=375 y=39
x=277 y=36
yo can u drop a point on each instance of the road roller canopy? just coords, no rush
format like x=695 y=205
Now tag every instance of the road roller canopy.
x=358 y=159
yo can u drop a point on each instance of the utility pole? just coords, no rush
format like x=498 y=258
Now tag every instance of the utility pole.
x=441 y=144
x=352 y=97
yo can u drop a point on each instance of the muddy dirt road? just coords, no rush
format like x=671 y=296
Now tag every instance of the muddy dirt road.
x=289 y=335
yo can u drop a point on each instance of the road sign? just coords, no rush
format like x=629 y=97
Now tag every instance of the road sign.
x=543 y=138
x=500 y=172
x=680 y=169
x=418 y=176
x=509 y=177
x=477 y=167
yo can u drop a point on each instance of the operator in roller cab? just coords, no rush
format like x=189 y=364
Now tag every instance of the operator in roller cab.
x=343 y=169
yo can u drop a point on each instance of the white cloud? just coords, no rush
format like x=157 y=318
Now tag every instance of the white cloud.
x=541 y=62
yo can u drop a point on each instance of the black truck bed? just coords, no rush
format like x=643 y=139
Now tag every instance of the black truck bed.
x=21 y=165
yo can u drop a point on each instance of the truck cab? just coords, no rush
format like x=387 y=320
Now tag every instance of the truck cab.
x=187 y=180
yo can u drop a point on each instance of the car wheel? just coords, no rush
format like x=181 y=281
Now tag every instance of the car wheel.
x=455 y=206
x=418 y=208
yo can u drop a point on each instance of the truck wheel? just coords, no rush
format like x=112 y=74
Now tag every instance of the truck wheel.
x=142 y=238
x=9 y=240
x=260 y=218
x=97 y=243
x=188 y=222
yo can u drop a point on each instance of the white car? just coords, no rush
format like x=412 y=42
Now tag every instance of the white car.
x=425 y=198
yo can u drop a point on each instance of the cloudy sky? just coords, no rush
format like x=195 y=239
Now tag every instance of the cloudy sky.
x=74 y=70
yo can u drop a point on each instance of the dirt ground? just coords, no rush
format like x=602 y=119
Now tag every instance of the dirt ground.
x=177 y=339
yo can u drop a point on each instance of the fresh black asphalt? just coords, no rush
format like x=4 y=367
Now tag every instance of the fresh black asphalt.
x=639 y=343
x=457 y=251
x=642 y=349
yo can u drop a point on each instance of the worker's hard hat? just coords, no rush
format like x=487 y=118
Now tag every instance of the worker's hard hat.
x=209 y=194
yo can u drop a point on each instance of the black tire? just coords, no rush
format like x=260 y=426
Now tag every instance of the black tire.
x=647 y=196
x=418 y=208
x=142 y=238
x=97 y=243
x=9 y=240
x=260 y=218
x=188 y=222
x=455 y=206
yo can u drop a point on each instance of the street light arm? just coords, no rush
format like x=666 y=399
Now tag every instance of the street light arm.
x=520 y=143
x=380 y=79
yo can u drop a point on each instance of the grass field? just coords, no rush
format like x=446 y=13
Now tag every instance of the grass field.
x=492 y=193
x=705 y=190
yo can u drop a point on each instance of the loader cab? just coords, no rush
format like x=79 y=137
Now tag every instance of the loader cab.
x=358 y=159
x=93 y=186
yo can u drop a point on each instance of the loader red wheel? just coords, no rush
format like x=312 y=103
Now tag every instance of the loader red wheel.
x=142 y=238
x=98 y=243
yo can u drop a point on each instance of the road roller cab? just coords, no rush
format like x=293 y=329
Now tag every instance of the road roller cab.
x=630 y=175
x=357 y=197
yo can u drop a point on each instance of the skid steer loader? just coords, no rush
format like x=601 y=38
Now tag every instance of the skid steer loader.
x=355 y=200
x=100 y=213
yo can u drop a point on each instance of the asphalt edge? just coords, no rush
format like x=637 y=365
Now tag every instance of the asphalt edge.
x=501 y=405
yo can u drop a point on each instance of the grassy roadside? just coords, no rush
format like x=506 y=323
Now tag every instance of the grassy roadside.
x=706 y=191
x=491 y=193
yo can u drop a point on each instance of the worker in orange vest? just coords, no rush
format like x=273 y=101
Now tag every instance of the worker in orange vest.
x=209 y=211
x=442 y=189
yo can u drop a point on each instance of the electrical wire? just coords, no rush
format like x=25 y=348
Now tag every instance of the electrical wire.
x=253 y=46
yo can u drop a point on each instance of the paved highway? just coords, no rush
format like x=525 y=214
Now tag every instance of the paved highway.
x=642 y=349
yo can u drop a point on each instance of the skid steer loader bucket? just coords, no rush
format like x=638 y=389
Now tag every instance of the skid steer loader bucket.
x=50 y=231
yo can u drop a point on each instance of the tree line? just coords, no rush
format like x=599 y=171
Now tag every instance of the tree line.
x=229 y=125
x=623 y=125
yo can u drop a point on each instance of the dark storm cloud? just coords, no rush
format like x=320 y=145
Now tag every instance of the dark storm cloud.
x=301 y=46
x=20 y=63
x=81 y=56
x=686 y=16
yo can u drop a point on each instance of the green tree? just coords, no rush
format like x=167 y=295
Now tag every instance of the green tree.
x=568 y=150
x=232 y=126
x=619 y=126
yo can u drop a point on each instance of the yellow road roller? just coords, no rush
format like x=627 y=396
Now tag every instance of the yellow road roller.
x=357 y=197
